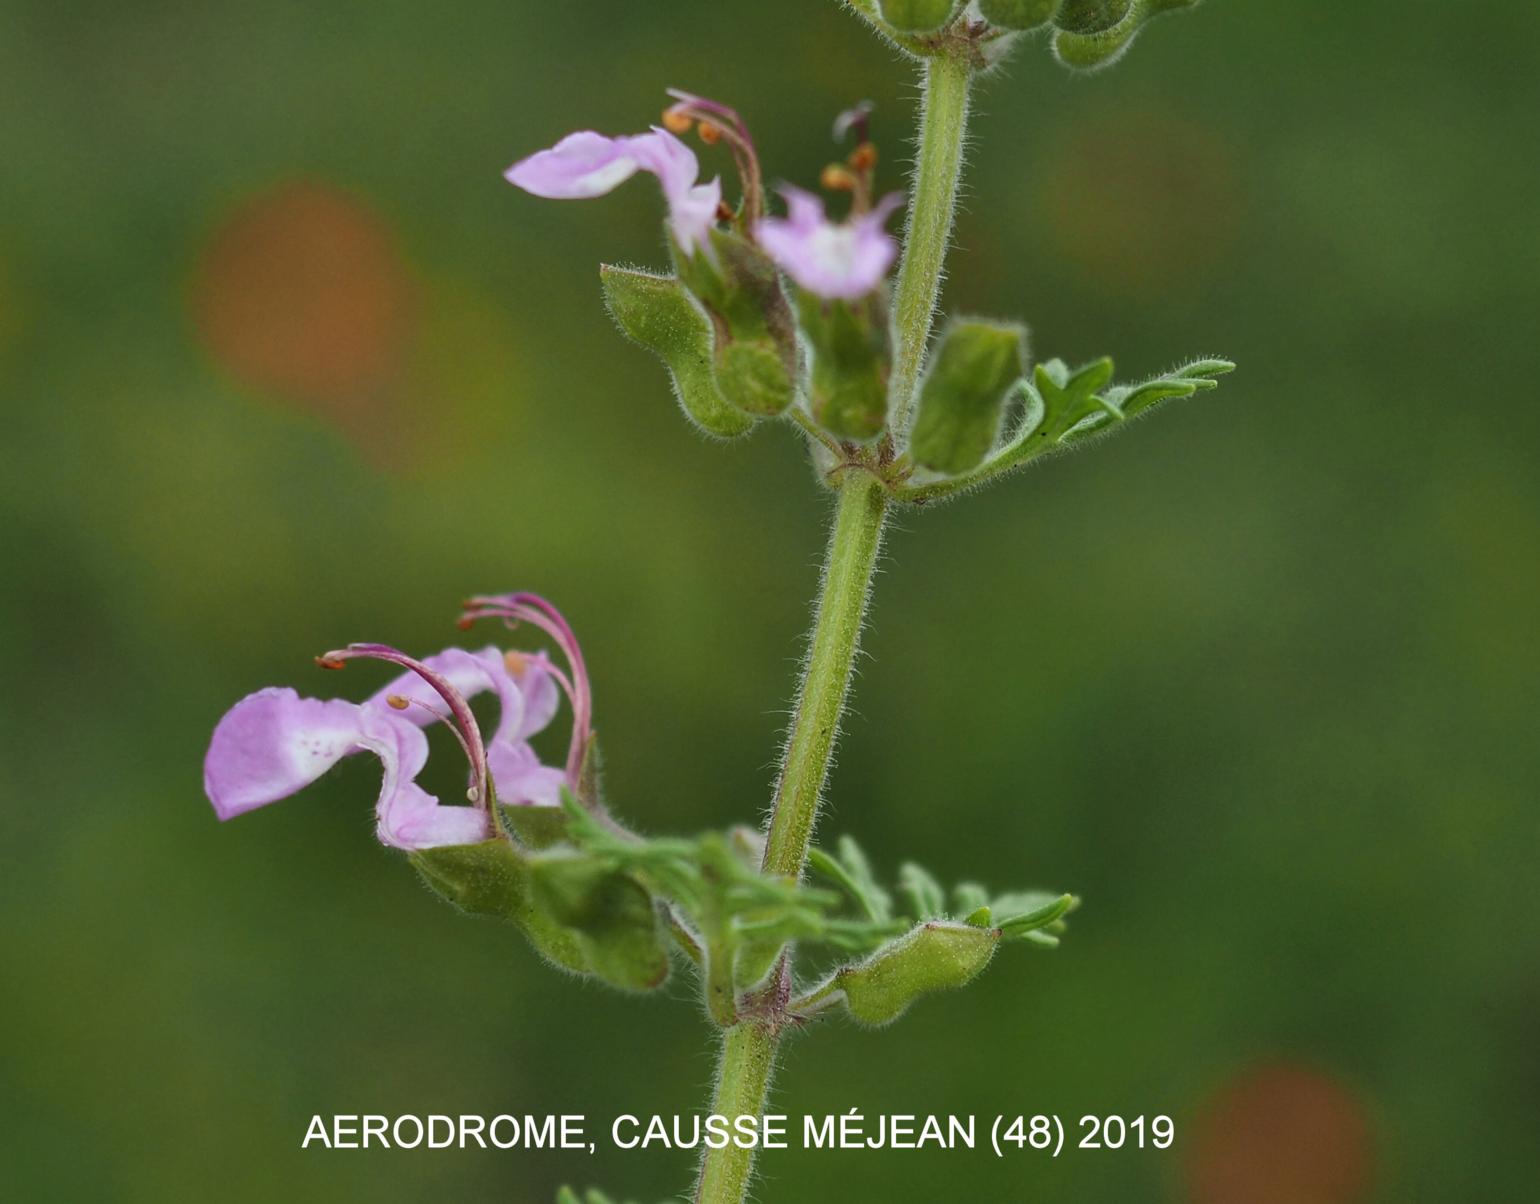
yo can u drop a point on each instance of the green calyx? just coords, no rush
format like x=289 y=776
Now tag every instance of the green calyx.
x=934 y=956
x=1018 y=14
x=604 y=903
x=916 y=16
x=949 y=940
x=658 y=313
x=848 y=379
x=1091 y=16
x=755 y=336
x=1088 y=40
x=937 y=954
x=722 y=326
x=582 y=917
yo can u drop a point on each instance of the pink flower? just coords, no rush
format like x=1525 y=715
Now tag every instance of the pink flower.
x=835 y=260
x=587 y=164
x=274 y=742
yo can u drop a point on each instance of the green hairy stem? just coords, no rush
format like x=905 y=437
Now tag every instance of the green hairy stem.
x=847 y=579
x=743 y=1081
x=749 y=1048
x=932 y=205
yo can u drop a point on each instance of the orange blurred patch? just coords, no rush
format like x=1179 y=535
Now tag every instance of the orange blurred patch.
x=1144 y=199
x=1281 y=1134
x=302 y=294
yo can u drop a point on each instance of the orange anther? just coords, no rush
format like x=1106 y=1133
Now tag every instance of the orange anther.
x=837 y=178
x=864 y=157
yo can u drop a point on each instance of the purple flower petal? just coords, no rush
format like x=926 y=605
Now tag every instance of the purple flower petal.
x=692 y=207
x=521 y=779
x=587 y=164
x=527 y=696
x=580 y=166
x=273 y=743
x=411 y=818
x=693 y=213
x=845 y=261
x=542 y=696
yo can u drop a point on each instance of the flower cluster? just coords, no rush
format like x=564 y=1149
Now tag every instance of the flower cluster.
x=275 y=742
x=835 y=260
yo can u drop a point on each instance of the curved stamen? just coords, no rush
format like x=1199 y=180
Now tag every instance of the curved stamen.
x=399 y=702
x=514 y=609
x=714 y=111
x=464 y=721
x=561 y=678
x=736 y=131
x=857 y=118
x=553 y=670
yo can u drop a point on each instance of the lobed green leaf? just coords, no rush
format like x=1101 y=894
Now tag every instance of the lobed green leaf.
x=1061 y=407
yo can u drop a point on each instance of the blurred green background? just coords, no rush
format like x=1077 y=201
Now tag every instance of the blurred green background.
x=285 y=363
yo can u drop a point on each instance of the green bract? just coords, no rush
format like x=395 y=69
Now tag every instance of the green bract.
x=963 y=394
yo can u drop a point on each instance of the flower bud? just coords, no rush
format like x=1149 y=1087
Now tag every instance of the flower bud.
x=658 y=313
x=1017 y=14
x=848 y=382
x=1091 y=16
x=962 y=399
x=1102 y=47
x=916 y=16
x=936 y=956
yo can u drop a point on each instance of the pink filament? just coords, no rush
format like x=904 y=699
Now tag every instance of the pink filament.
x=464 y=722
x=514 y=609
